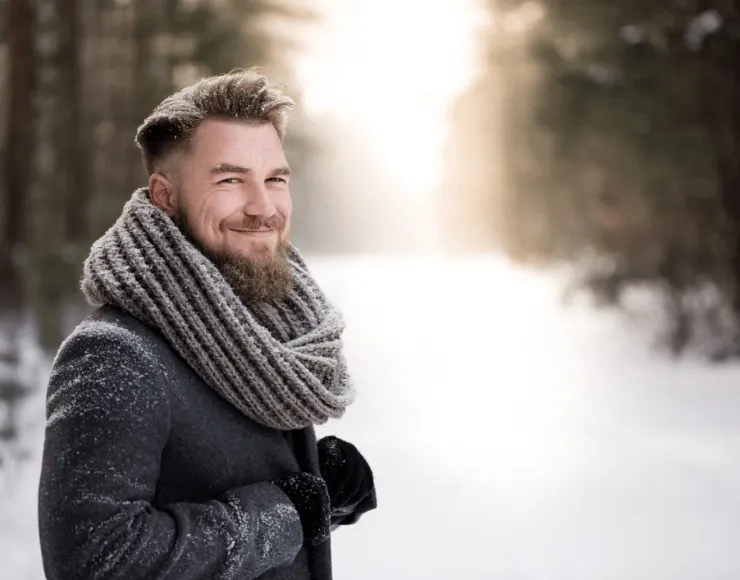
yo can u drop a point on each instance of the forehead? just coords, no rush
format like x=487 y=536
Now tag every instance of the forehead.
x=237 y=142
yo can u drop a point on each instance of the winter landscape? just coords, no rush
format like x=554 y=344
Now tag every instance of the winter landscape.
x=512 y=438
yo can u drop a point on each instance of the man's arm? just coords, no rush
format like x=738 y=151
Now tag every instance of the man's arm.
x=107 y=423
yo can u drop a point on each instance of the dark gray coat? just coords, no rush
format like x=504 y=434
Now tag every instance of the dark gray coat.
x=149 y=474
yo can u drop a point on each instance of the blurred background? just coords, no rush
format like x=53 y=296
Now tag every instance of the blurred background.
x=529 y=213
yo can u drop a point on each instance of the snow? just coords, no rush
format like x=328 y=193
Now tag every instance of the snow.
x=511 y=438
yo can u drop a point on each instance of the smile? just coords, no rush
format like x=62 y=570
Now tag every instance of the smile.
x=255 y=232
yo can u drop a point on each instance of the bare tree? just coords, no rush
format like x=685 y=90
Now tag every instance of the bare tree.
x=19 y=134
x=72 y=175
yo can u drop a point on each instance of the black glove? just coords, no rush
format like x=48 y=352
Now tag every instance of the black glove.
x=348 y=476
x=310 y=497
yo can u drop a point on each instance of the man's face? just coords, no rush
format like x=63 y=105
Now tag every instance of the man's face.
x=232 y=200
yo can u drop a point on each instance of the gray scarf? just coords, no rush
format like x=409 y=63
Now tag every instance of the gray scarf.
x=278 y=363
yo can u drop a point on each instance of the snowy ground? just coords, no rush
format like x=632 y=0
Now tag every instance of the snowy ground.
x=511 y=439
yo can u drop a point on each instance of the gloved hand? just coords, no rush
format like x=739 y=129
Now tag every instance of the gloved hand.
x=311 y=499
x=345 y=471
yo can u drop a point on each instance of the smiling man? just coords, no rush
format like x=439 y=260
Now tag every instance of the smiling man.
x=180 y=437
x=228 y=192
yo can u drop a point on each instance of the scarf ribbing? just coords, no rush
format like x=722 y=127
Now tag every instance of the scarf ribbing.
x=278 y=363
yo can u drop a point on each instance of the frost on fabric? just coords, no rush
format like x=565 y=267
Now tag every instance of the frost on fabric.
x=106 y=351
x=112 y=539
x=274 y=521
x=309 y=494
x=331 y=452
x=280 y=385
x=109 y=420
x=266 y=528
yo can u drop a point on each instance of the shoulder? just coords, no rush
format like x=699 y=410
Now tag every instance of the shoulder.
x=109 y=353
x=112 y=324
x=112 y=332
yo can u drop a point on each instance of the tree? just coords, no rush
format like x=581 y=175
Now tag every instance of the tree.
x=73 y=175
x=622 y=151
x=19 y=145
x=81 y=76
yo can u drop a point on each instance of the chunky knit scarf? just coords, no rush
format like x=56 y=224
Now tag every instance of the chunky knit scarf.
x=278 y=363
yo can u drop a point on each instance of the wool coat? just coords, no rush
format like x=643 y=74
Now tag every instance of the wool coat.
x=148 y=473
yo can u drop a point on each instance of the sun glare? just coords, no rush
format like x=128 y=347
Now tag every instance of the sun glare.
x=392 y=68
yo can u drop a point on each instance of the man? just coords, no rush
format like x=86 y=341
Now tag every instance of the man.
x=180 y=440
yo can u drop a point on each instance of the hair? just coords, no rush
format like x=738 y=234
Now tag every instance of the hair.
x=245 y=94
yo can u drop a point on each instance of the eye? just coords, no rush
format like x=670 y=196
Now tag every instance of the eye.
x=230 y=180
x=277 y=180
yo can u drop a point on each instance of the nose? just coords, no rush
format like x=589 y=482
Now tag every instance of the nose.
x=258 y=201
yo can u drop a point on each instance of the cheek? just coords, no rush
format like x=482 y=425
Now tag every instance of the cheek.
x=284 y=204
x=219 y=208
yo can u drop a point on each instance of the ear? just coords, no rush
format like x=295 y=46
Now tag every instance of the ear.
x=162 y=193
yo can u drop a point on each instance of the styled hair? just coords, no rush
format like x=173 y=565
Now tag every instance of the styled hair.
x=246 y=95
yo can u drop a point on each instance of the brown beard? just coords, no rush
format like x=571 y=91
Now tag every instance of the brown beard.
x=266 y=280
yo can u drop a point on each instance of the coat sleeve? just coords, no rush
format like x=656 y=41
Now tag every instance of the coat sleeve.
x=107 y=424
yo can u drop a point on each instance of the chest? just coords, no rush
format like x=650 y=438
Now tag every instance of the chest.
x=212 y=447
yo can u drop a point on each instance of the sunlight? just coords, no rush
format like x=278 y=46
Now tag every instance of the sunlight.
x=392 y=68
x=463 y=367
x=521 y=20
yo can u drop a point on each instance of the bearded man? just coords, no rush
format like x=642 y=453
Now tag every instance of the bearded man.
x=180 y=438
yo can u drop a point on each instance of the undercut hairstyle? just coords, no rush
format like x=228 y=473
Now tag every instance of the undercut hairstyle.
x=245 y=95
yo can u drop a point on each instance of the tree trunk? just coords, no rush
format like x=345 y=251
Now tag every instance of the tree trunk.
x=719 y=86
x=140 y=86
x=20 y=129
x=73 y=156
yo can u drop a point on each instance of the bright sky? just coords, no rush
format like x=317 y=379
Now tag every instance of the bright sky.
x=393 y=67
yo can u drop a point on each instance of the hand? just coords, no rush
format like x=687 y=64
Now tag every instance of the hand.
x=309 y=495
x=348 y=476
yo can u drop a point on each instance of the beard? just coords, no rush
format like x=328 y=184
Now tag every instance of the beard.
x=264 y=280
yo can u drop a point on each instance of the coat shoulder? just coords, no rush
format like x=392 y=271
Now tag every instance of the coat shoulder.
x=116 y=334
x=109 y=351
x=112 y=324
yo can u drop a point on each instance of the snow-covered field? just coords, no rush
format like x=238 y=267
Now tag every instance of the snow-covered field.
x=511 y=438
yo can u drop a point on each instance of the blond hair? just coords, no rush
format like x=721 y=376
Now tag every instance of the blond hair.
x=246 y=95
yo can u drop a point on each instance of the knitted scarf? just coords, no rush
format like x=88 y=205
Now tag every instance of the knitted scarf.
x=278 y=363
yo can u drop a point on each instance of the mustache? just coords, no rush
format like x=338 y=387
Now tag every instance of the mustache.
x=251 y=222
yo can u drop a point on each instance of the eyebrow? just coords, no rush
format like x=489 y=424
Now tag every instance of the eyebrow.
x=229 y=168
